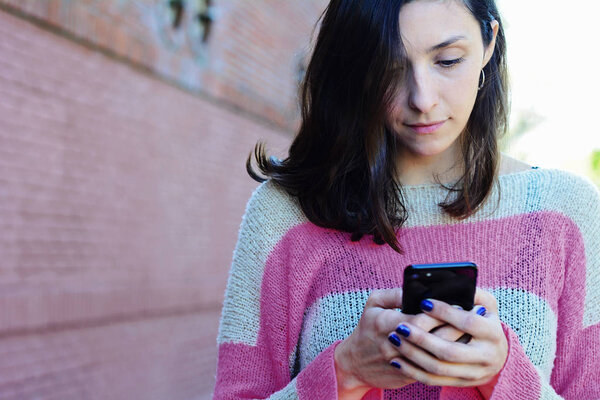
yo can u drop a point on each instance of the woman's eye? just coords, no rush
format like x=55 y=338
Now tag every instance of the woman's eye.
x=450 y=63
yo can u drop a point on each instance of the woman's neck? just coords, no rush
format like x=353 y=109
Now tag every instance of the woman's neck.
x=415 y=169
x=425 y=170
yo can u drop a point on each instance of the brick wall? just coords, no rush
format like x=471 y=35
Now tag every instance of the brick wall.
x=251 y=58
x=122 y=188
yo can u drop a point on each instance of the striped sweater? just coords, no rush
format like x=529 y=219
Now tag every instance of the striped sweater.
x=295 y=290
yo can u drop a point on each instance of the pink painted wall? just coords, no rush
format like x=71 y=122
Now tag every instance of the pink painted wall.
x=122 y=186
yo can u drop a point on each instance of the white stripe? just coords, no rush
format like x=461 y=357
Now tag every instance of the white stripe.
x=534 y=322
x=287 y=393
x=547 y=392
x=270 y=213
x=331 y=318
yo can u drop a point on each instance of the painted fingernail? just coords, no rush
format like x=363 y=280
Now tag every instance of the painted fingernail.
x=457 y=306
x=426 y=305
x=395 y=364
x=394 y=339
x=481 y=311
x=403 y=330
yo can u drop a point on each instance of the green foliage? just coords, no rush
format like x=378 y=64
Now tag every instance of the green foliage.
x=595 y=164
x=596 y=161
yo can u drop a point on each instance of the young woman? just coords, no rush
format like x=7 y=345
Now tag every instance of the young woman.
x=396 y=163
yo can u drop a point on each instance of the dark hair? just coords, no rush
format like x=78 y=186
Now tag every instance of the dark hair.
x=342 y=163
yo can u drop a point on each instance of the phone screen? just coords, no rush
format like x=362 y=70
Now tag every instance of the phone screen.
x=453 y=283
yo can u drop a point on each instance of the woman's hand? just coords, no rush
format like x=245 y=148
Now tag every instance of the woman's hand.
x=363 y=359
x=432 y=360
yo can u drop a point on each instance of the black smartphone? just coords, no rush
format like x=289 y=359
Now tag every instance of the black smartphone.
x=453 y=283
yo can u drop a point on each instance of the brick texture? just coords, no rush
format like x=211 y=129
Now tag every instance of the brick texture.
x=122 y=187
x=251 y=59
x=151 y=358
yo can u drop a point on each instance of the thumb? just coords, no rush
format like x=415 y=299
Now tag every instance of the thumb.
x=385 y=298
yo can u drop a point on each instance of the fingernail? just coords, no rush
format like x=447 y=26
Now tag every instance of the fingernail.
x=457 y=306
x=426 y=305
x=403 y=330
x=395 y=364
x=481 y=311
x=394 y=339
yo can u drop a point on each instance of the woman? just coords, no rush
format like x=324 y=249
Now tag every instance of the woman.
x=396 y=163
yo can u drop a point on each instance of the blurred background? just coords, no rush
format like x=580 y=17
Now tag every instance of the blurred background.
x=124 y=128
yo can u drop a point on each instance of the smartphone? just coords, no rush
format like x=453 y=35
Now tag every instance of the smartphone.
x=453 y=283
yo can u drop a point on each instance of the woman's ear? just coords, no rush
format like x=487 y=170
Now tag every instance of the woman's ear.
x=489 y=50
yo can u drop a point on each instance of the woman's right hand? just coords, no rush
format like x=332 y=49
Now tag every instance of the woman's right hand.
x=362 y=360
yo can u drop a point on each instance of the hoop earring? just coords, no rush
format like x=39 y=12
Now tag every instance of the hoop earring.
x=482 y=80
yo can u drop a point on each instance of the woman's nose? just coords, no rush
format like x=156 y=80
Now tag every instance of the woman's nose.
x=422 y=96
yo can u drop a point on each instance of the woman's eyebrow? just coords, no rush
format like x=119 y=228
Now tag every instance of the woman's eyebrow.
x=446 y=43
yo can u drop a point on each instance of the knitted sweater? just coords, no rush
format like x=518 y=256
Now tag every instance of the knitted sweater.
x=295 y=290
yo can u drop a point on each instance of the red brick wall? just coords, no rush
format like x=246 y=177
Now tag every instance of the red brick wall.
x=251 y=58
x=122 y=187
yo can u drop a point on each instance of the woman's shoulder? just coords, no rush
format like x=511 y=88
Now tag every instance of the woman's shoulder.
x=559 y=182
x=271 y=207
x=269 y=193
x=511 y=165
x=552 y=190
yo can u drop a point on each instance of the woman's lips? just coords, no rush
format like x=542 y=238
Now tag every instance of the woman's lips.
x=425 y=129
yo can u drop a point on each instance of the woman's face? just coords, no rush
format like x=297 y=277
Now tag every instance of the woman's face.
x=445 y=52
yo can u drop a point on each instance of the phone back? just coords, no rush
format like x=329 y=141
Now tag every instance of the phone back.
x=453 y=283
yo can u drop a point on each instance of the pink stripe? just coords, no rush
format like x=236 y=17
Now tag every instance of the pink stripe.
x=268 y=375
x=504 y=249
x=518 y=379
x=576 y=370
x=236 y=381
x=319 y=381
x=571 y=338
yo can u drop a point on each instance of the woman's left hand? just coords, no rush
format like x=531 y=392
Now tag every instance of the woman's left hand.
x=433 y=360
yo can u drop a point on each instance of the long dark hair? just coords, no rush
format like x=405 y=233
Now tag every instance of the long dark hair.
x=342 y=163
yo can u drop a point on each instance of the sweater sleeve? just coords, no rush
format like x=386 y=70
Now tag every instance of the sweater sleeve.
x=575 y=374
x=257 y=338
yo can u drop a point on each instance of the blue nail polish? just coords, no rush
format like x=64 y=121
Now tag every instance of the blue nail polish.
x=481 y=311
x=403 y=330
x=395 y=364
x=394 y=339
x=426 y=305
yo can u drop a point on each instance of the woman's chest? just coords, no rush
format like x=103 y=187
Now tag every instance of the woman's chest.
x=519 y=262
